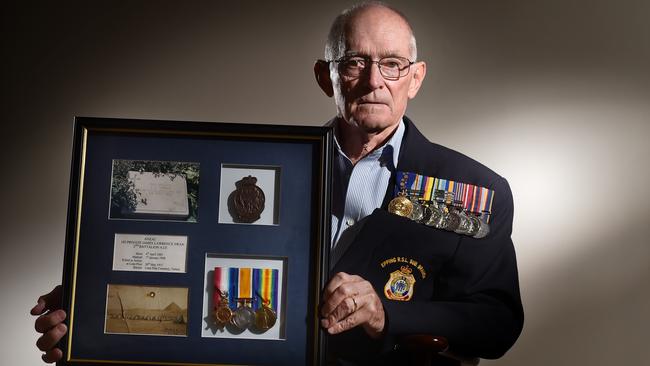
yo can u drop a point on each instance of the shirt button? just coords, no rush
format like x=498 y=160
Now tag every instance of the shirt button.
x=350 y=222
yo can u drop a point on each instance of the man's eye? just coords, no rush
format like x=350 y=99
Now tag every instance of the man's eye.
x=354 y=62
x=390 y=64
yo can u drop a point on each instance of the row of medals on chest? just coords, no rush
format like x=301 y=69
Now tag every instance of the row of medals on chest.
x=442 y=213
x=244 y=317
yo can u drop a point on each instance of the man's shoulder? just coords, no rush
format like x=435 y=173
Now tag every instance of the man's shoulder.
x=419 y=155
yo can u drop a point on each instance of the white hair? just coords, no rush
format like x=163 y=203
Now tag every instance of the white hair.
x=335 y=44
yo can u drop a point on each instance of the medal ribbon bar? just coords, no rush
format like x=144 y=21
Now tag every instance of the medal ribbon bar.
x=474 y=199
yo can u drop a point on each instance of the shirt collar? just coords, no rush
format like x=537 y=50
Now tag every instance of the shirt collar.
x=395 y=142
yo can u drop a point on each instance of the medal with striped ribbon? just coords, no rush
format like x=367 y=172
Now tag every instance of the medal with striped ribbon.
x=459 y=201
x=245 y=285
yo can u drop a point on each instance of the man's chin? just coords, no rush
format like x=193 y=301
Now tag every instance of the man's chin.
x=374 y=124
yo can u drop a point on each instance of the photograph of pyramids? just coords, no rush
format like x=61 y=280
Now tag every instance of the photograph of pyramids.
x=146 y=310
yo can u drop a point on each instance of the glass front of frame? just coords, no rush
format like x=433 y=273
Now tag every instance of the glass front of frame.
x=214 y=248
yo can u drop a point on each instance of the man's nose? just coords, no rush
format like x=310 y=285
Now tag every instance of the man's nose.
x=375 y=80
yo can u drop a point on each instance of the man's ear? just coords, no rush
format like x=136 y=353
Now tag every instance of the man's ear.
x=322 y=74
x=419 y=70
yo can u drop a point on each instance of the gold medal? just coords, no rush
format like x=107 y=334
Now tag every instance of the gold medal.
x=222 y=315
x=265 y=318
x=401 y=206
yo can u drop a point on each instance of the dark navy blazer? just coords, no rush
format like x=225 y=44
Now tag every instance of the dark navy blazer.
x=467 y=289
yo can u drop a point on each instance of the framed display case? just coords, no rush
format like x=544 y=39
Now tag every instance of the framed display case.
x=196 y=243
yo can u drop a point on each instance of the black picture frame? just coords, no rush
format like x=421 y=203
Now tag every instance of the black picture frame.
x=300 y=156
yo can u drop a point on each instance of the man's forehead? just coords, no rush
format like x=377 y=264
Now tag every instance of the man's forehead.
x=377 y=32
x=379 y=45
x=374 y=53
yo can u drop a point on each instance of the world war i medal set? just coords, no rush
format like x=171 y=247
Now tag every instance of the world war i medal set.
x=443 y=204
x=245 y=298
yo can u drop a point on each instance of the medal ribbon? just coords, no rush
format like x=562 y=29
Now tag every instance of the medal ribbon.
x=474 y=199
x=233 y=286
x=265 y=284
x=220 y=283
x=226 y=280
x=246 y=283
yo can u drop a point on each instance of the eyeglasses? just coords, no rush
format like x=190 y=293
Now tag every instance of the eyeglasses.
x=391 y=68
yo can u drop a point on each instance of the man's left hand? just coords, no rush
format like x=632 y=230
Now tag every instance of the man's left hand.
x=349 y=301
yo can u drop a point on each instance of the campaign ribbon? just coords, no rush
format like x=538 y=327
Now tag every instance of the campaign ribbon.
x=265 y=284
x=246 y=283
x=473 y=198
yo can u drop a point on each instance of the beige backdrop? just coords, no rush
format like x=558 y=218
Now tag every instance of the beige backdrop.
x=552 y=95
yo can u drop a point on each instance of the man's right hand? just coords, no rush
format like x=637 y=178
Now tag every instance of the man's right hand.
x=50 y=324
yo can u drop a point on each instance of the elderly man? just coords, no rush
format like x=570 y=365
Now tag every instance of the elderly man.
x=396 y=275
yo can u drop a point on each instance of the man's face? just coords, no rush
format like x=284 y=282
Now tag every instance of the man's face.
x=370 y=101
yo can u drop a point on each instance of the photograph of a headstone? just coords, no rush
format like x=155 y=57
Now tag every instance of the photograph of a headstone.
x=154 y=190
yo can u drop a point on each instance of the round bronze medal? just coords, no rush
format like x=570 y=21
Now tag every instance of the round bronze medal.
x=401 y=206
x=243 y=317
x=265 y=318
x=222 y=315
x=246 y=203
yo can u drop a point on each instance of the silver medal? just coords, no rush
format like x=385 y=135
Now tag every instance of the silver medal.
x=483 y=230
x=243 y=317
x=465 y=224
x=417 y=214
x=453 y=220
x=426 y=215
x=474 y=225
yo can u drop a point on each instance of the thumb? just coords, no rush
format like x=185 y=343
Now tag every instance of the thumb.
x=49 y=301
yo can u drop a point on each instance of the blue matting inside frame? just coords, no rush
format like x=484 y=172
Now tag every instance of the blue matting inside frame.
x=291 y=238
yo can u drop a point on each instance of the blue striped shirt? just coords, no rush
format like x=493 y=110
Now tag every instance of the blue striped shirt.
x=360 y=188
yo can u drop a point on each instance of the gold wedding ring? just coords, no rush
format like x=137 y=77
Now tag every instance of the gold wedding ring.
x=355 y=304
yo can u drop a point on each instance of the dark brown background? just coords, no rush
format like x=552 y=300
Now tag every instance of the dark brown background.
x=551 y=94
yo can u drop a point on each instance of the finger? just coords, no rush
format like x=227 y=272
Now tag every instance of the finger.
x=375 y=316
x=48 y=340
x=369 y=314
x=354 y=287
x=345 y=291
x=52 y=355
x=343 y=310
x=39 y=308
x=337 y=280
x=334 y=283
x=49 y=320
x=49 y=301
x=351 y=321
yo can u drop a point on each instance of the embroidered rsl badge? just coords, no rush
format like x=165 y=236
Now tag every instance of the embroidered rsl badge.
x=400 y=284
x=444 y=204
